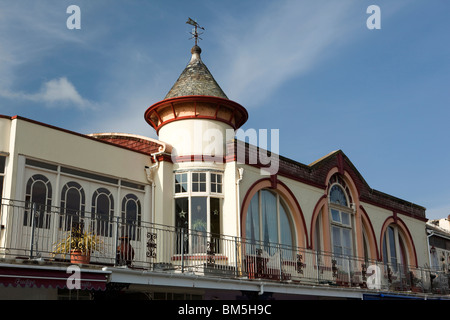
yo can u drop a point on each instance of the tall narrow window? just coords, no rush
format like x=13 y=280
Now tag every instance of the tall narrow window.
x=73 y=203
x=199 y=224
x=103 y=211
x=394 y=253
x=38 y=199
x=131 y=216
x=341 y=216
x=214 y=218
x=182 y=224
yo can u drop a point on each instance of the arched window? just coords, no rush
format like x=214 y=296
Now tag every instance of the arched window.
x=394 y=250
x=341 y=219
x=38 y=200
x=72 y=205
x=268 y=221
x=131 y=216
x=103 y=211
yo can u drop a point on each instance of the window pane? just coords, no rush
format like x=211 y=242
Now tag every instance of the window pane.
x=392 y=249
x=39 y=193
x=198 y=214
x=215 y=215
x=180 y=182
x=337 y=195
x=285 y=227
x=181 y=222
x=2 y=164
x=336 y=236
x=345 y=218
x=335 y=215
x=216 y=183
x=181 y=212
x=198 y=224
x=385 y=253
x=202 y=182
x=73 y=201
x=269 y=217
x=346 y=241
x=252 y=219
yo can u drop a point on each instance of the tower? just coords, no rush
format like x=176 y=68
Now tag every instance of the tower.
x=196 y=190
x=195 y=114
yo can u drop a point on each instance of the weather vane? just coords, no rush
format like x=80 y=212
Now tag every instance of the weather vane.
x=195 y=34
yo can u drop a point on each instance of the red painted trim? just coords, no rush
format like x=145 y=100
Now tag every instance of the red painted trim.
x=404 y=228
x=314 y=219
x=199 y=157
x=159 y=117
x=237 y=108
x=372 y=231
x=173 y=110
x=217 y=111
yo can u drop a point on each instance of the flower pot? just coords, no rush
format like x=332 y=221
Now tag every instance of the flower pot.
x=78 y=257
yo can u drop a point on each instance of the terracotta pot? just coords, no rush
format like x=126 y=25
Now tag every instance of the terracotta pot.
x=78 y=257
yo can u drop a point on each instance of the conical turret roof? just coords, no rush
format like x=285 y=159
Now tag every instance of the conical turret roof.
x=196 y=80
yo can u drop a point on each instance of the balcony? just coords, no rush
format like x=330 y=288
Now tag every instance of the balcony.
x=30 y=233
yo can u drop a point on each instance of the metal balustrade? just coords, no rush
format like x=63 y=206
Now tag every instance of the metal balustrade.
x=30 y=231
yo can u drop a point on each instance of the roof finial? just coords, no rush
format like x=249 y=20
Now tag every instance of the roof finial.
x=195 y=34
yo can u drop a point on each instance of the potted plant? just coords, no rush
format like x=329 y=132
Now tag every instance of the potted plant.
x=79 y=244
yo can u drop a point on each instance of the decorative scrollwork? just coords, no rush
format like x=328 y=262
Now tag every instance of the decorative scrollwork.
x=151 y=244
x=389 y=274
x=300 y=264
x=210 y=245
x=364 y=272
x=334 y=268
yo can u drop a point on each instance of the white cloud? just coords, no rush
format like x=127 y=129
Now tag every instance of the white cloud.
x=284 y=40
x=56 y=92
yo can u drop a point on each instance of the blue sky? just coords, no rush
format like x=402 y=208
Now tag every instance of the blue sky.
x=311 y=69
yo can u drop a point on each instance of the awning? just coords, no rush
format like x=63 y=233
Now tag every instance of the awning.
x=30 y=276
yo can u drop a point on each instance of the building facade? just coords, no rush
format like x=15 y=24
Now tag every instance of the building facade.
x=198 y=214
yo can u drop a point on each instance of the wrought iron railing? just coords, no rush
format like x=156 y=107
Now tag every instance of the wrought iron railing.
x=30 y=231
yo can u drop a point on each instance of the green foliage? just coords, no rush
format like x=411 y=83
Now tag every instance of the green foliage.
x=79 y=240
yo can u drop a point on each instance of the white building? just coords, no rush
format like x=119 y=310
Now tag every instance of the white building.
x=207 y=216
